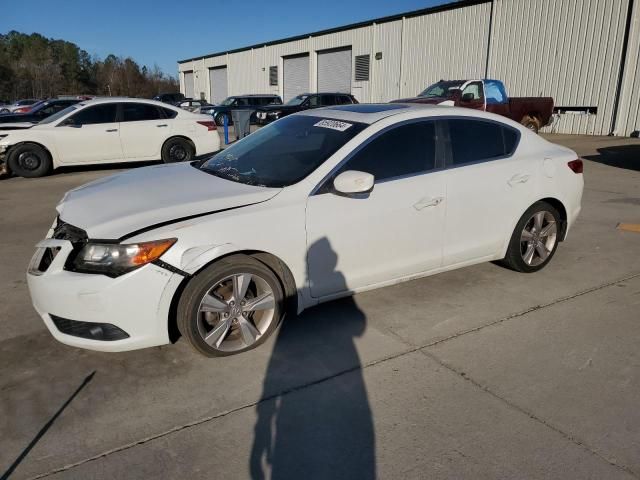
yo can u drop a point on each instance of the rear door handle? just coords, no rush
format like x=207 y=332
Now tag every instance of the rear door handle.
x=518 y=178
x=112 y=130
x=162 y=125
x=428 y=202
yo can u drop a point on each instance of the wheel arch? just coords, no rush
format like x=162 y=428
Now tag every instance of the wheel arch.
x=555 y=203
x=12 y=148
x=271 y=261
x=184 y=137
x=559 y=206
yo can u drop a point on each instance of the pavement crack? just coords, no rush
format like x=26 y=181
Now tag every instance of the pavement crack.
x=411 y=349
x=514 y=406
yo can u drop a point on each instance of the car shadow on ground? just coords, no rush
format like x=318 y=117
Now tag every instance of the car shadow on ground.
x=620 y=156
x=324 y=431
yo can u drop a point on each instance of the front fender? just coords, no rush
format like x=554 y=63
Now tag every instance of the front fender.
x=195 y=258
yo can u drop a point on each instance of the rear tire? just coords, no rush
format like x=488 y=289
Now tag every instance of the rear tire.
x=534 y=240
x=30 y=161
x=532 y=123
x=177 y=150
x=230 y=307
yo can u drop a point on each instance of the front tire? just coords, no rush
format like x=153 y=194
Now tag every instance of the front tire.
x=534 y=240
x=30 y=161
x=230 y=307
x=177 y=150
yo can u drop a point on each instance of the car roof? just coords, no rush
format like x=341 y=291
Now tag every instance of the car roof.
x=97 y=101
x=369 y=113
x=255 y=95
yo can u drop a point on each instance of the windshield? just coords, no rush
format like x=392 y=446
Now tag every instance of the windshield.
x=282 y=153
x=227 y=101
x=297 y=100
x=56 y=116
x=441 y=89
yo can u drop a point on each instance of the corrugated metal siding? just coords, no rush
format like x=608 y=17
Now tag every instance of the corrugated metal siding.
x=445 y=45
x=569 y=50
x=628 y=119
x=385 y=73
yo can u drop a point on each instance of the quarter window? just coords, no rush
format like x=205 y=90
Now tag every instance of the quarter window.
x=105 y=113
x=475 y=141
x=405 y=150
x=136 y=112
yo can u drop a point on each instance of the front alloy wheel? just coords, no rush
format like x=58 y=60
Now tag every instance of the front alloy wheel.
x=231 y=306
x=236 y=312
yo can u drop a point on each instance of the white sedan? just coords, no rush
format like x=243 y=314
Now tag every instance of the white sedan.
x=316 y=206
x=108 y=130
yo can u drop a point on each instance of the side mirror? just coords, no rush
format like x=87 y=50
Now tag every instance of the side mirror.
x=353 y=182
x=468 y=97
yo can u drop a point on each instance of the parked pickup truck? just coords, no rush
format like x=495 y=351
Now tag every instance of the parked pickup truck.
x=491 y=96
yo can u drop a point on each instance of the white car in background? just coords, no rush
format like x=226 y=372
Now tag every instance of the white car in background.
x=108 y=130
x=315 y=206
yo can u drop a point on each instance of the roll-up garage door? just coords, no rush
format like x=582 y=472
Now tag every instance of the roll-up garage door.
x=334 y=70
x=296 y=76
x=218 y=85
x=188 y=84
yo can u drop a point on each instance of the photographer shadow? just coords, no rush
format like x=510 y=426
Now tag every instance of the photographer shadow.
x=324 y=428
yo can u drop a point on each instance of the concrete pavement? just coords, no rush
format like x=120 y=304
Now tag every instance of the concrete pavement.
x=477 y=373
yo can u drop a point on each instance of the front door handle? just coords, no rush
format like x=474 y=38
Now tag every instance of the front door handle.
x=428 y=202
x=162 y=125
x=112 y=130
x=518 y=178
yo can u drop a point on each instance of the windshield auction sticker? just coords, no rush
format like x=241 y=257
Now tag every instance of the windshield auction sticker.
x=333 y=125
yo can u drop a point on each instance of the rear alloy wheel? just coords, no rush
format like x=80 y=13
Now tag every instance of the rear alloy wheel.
x=230 y=307
x=177 y=150
x=29 y=160
x=535 y=239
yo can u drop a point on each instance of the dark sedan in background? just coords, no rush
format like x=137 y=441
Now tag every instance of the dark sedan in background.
x=37 y=113
x=240 y=102
x=302 y=102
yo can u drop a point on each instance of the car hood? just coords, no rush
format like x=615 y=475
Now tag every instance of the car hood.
x=112 y=207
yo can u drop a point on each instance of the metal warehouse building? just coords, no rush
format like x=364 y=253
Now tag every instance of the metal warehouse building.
x=583 y=53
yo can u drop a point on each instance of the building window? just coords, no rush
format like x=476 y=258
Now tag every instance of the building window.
x=362 y=68
x=273 y=76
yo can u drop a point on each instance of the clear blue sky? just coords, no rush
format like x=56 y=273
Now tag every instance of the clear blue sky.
x=163 y=31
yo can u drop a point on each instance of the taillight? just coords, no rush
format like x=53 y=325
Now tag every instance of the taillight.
x=576 y=165
x=210 y=125
x=22 y=110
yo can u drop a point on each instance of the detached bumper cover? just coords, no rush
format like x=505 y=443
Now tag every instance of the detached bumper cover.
x=136 y=303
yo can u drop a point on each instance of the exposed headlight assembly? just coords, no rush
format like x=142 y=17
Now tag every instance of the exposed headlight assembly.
x=114 y=259
x=274 y=114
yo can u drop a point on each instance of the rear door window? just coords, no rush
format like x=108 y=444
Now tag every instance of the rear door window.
x=475 y=141
x=137 y=112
